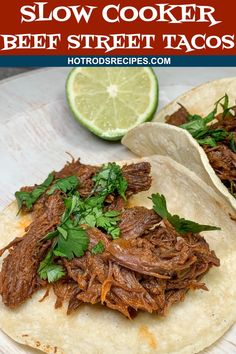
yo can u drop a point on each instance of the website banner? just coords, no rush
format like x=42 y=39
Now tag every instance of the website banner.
x=147 y=29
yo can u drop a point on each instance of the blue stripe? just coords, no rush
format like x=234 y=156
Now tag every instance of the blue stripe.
x=176 y=61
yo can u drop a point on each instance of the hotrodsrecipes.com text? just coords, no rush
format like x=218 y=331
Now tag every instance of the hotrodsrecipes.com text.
x=119 y=61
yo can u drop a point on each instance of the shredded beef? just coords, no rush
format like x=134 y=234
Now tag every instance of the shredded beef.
x=18 y=277
x=138 y=177
x=39 y=206
x=115 y=203
x=83 y=172
x=66 y=289
x=148 y=273
x=223 y=161
x=149 y=268
x=75 y=168
x=179 y=117
x=228 y=122
x=135 y=221
x=221 y=158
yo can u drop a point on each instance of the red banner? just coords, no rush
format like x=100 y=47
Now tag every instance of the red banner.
x=203 y=27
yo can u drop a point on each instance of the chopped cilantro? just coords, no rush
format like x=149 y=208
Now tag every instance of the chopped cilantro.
x=68 y=184
x=196 y=127
x=90 y=212
x=232 y=143
x=70 y=239
x=29 y=198
x=71 y=203
x=199 y=128
x=98 y=248
x=50 y=271
x=108 y=221
x=63 y=232
x=207 y=141
x=181 y=225
x=75 y=243
x=110 y=179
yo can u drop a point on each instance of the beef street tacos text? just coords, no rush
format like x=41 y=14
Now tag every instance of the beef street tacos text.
x=107 y=235
x=207 y=142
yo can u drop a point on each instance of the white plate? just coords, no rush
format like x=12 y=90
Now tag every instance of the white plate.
x=36 y=129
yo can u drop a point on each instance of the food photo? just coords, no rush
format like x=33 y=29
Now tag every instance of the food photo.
x=118 y=211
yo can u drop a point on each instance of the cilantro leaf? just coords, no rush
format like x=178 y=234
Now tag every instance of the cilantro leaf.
x=192 y=117
x=213 y=136
x=114 y=232
x=29 y=198
x=50 y=271
x=159 y=205
x=198 y=126
x=225 y=106
x=207 y=141
x=65 y=185
x=70 y=240
x=90 y=212
x=89 y=219
x=218 y=134
x=98 y=248
x=24 y=198
x=195 y=127
x=62 y=232
x=51 y=235
x=122 y=185
x=71 y=205
x=181 y=225
x=184 y=226
x=75 y=244
x=110 y=179
x=232 y=144
x=108 y=222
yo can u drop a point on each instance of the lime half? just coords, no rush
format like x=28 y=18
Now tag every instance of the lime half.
x=111 y=101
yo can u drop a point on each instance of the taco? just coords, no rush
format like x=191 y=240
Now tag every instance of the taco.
x=111 y=236
x=202 y=136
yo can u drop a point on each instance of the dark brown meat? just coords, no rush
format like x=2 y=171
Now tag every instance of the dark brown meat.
x=138 y=255
x=122 y=283
x=221 y=157
x=223 y=161
x=76 y=168
x=148 y=273
x=138 y=177
x=227 y=122
x=135 y=221
x=39 y=206
x=18 y=277
x=149 y=268
x=95 y=235
x=173 y=297
x=83 y=172
x=118 y=288
x=179 y=117
x=66 y=290
x=162 y=253
x=115 y=203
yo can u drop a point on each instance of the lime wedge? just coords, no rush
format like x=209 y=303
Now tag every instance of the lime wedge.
x=111 y=101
